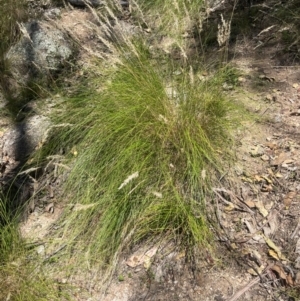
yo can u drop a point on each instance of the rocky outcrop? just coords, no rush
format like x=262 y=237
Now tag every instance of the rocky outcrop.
x=37 y=56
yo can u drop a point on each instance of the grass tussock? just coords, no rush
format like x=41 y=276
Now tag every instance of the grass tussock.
x=147 y=151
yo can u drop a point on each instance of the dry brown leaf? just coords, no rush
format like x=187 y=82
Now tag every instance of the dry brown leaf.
x=279 y=160
x=289 y=198
x=280 y=271
x=267 y=188
x=273 y=221
x=273 y=254
x=267 y=179
x=257 y=272
x=246 y=179
x=262 y=210
x=258 y=179
x=271 y=244
x=249 y=226
x=271 y=145
x=288 y=161
x=289 y=280
x=250 y=203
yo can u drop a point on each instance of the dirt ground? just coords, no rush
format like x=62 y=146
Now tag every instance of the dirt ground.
x=258 y=216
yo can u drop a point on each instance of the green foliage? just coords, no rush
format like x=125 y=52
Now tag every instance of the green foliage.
x=146 y=158
x=229 y=75
x=21 y=277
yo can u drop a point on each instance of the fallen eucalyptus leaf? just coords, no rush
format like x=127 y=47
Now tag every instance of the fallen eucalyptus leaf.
x=250 y=203
x=273 y=254
x=262 y=210
x=267 y=179
x=280 y=271
x=279 y=160
x=258 y=271
x=272 y=245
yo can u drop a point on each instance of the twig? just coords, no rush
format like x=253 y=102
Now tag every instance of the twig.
x=244 y=289
x=219 y=216
x=55 y=252
x=221 y=198
x=244 y=205
x=296 y=230
x=250 y=284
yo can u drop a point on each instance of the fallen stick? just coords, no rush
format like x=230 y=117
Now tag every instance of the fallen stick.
x=249 y=285
x=244 y=289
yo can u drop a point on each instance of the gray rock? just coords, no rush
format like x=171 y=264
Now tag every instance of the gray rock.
x=23 y=138
x=52 y=13
x=37 y=56
x=93 y=3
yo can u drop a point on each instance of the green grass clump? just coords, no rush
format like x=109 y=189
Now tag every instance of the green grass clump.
x=145 y=159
